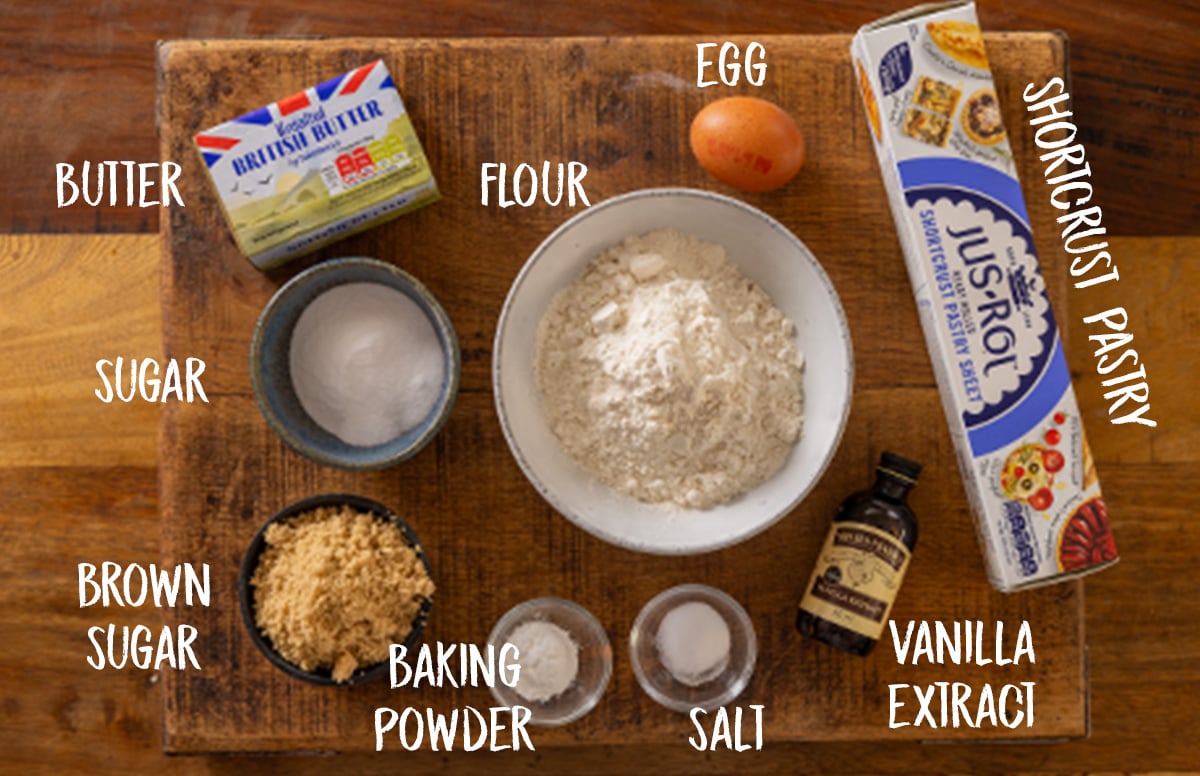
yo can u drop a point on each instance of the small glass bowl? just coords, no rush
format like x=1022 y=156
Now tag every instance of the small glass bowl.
x=660 y=684
x=595 y=659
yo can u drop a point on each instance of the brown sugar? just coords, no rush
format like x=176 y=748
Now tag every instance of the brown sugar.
x=335 y=587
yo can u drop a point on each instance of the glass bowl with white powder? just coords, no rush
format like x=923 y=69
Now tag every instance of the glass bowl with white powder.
x=693 y=646
x=355 y=364
x=565 y=658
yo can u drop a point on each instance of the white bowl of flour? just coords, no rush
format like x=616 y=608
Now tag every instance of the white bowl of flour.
x=655 y=405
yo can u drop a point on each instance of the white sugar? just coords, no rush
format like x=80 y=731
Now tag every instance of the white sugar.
x=366 y=363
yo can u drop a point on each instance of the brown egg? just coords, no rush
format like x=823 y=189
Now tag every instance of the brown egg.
x=748 y=143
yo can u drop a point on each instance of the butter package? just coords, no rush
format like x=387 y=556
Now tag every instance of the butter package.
x=332 y=160
x=996 y=350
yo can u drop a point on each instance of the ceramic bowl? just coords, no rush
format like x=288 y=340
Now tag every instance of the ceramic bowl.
x=250 y=563
x=595 y=660
x=766 y=252
x=270 y=370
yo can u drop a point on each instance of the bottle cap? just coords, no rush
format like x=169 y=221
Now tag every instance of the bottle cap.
x=899 y=467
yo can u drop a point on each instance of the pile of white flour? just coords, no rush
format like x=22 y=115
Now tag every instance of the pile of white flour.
x=668 y=375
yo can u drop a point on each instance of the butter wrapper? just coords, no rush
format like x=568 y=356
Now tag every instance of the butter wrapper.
x=332 y=160
x=991 y=334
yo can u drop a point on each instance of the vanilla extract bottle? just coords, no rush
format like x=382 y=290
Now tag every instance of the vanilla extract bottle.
x=862 y=564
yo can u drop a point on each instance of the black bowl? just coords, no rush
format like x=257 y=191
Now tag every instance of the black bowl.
x=250 y=563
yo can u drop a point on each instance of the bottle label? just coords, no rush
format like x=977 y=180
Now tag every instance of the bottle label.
x=856 y=578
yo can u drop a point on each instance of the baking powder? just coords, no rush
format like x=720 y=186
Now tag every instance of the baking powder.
x=549 y=660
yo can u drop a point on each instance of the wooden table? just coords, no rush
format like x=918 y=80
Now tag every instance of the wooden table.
x=80 y=484
x=81 y=80
x=620 y=106
x=80 y=477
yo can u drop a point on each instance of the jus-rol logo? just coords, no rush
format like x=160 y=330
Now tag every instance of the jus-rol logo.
x=989 y=297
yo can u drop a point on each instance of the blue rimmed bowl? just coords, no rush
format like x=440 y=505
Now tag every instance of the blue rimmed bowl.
x=270 y=369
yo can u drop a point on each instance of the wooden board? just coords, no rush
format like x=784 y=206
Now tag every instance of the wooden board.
x=59 y=715
x=621 y=106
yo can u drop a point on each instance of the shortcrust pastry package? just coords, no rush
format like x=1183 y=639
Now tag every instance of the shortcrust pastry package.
x=948 y=170
x=324 y=163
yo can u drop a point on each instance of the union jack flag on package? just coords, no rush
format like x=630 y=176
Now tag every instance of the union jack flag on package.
x=334 y=159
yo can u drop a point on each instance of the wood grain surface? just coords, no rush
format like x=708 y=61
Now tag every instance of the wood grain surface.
x=619 y=106
x=78 y=80
x=59 y=716
x=48 y=392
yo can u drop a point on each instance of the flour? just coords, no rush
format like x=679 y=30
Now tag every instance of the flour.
x=668 y=375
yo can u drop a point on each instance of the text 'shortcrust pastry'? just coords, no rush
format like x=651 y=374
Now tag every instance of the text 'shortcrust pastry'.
x=948 y=168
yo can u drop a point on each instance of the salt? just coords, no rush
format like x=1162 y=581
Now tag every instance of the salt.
x=366 y=362
x=549 y=660
x=693 y=643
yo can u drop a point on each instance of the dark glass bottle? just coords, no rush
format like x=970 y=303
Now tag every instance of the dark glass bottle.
x=862 y=564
